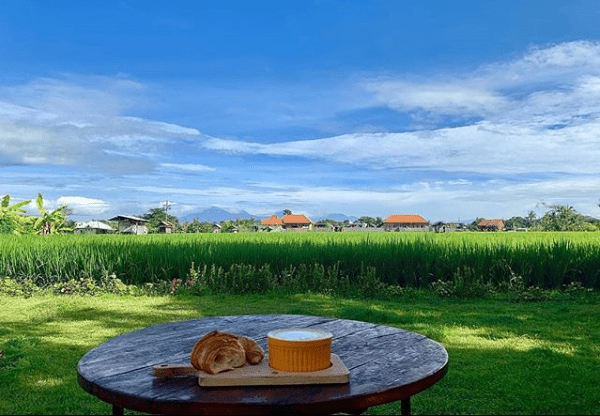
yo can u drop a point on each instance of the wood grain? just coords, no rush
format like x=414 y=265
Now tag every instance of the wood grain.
x=385 y=364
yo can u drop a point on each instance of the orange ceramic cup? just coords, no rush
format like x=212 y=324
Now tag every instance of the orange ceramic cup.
x=299 y=349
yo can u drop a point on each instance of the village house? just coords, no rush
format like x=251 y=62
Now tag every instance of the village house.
x=92 y=227
x=290 y=221
x=491 y=225
x=272 y=221
x=296 y=221
x=131 y=225
x=446 y=227
x=405 y=223
x=271 y=224
x=165 y=227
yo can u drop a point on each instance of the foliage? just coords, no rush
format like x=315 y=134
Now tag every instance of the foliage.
x=196 y=226
x=244 y=225
x=28 y=287
x=462 y=264
x=157 y=216
x=244 y=279
x=522 y=222
x=377 y=222
x=12 y=219
x=465 y=283
x=564 y=218
x=474 y=224
x=49 y=223
x=228 y=226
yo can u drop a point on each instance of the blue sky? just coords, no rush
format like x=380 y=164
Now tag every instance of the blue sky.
x=451 y=110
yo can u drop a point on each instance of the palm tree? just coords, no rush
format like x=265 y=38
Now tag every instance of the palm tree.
x=54 y=222
x=10 y=215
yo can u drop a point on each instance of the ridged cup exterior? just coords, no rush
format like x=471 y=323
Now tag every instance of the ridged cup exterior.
x=298 y=356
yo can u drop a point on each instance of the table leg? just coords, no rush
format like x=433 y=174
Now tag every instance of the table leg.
x=405 y=407
x=117 y=411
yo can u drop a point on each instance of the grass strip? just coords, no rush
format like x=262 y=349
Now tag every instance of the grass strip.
x=505 y=358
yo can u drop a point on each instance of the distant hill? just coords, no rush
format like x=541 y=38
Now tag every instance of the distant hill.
x=215 y=214
x=337 y=217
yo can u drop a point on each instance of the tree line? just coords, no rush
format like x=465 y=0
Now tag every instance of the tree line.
x=14 y=220
x=557 y=218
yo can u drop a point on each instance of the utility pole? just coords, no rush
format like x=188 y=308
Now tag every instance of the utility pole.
x=167 y=207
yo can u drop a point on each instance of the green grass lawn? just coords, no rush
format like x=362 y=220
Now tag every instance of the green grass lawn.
x=505 y=358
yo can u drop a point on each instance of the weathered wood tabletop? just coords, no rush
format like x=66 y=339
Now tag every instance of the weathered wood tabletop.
x=386 y=364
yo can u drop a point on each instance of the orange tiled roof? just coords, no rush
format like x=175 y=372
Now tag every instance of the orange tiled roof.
x=272 y=221
x=296 y=219
x=487 y=223
x=406 y=219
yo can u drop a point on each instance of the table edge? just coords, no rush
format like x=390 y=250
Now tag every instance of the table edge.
x=359 y=401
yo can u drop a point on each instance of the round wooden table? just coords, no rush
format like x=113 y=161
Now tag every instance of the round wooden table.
x=386 y=364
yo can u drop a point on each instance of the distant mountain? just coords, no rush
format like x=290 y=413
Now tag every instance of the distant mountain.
x=215 y=214
x=337 y=217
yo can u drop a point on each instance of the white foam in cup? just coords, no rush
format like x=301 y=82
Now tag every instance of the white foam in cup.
x=299 y=334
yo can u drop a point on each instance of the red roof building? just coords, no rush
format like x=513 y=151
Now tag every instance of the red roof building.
x=491 y=225
x=397 y=222
x=272 y=221
x=296 y=221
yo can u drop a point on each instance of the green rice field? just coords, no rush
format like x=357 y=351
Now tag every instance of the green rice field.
x=546 y=260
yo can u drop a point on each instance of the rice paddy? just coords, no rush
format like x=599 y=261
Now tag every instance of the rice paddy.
x=411 y=260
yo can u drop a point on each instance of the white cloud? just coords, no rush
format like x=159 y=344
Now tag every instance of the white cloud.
x=453 y=97
x=480 y=148
x=543 y=79
x=83 y=205
x=538 y=113
x=57 y=122
x=188 y=167
x=559 y=63
x=80 y=205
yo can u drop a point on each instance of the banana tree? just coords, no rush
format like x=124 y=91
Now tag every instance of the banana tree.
x=10 y=215
x=54 y=222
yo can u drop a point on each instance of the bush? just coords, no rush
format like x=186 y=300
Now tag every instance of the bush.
x=25 y=287
x=28 y=286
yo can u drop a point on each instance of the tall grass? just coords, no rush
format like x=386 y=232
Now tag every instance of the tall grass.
x=547 y=260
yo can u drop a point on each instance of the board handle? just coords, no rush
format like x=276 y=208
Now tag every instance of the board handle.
x=173 y=370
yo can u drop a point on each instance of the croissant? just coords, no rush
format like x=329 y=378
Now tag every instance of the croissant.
x=254 y=352
x=221 y=351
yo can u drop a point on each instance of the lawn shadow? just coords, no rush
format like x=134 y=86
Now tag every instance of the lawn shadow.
x=500 y=375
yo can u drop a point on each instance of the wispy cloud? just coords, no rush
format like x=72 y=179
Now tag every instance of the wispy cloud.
x=188 y=167
x=537 y=113
x=465 y=97
x=544 y=82
x=82 y=205
x=484 y=147
x=76 y=123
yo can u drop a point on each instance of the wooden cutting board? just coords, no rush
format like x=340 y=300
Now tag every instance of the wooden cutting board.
x=263 y=375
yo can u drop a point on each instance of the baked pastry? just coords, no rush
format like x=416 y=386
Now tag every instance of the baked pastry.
x=219 y=351
x=254 y=352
